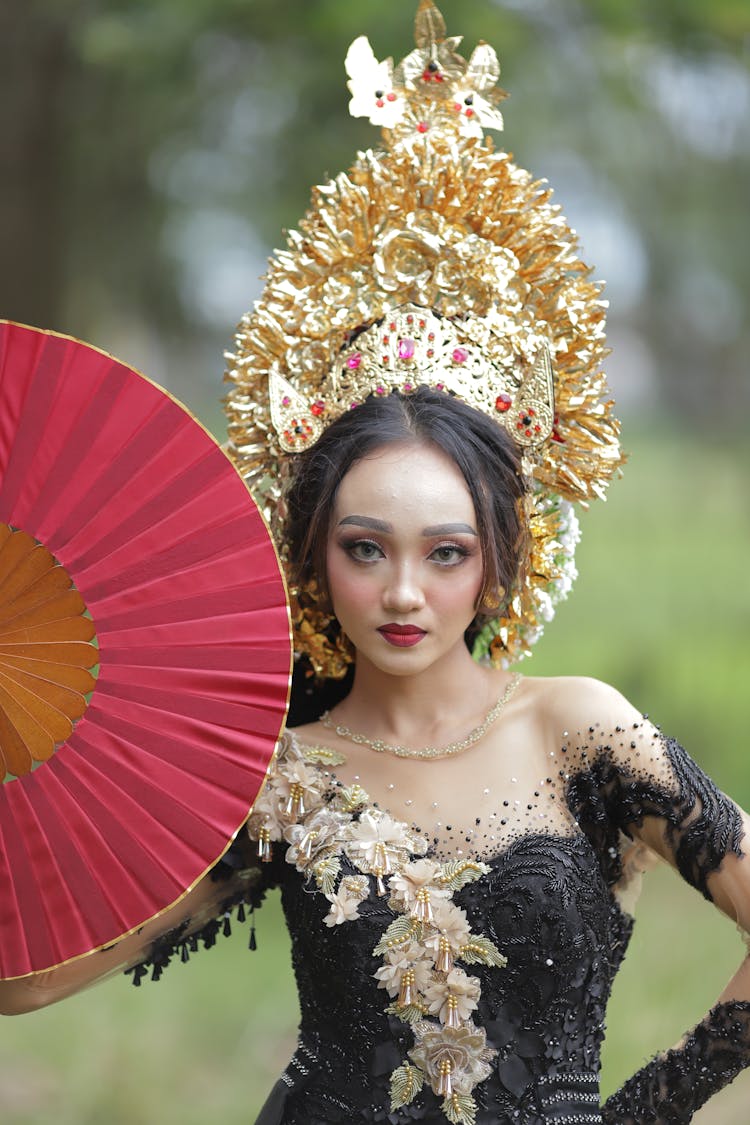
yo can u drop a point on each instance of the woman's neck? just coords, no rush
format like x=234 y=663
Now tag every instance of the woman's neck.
x=438 y=704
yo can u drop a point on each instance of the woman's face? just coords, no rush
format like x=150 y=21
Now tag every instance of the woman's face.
x=404 y=562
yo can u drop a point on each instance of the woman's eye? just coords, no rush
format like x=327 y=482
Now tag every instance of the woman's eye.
x=449 y=554
x=364 y=550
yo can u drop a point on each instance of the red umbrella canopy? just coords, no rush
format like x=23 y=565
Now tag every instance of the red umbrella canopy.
x=145 y=651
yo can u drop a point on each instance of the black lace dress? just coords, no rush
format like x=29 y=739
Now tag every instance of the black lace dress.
x=472 y=987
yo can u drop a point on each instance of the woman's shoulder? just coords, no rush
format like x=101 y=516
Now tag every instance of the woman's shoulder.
x=576 y=704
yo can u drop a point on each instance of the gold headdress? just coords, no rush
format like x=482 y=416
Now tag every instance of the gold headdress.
x=437 y=261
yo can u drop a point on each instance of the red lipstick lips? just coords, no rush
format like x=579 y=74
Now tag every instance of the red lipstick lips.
x=402 y=636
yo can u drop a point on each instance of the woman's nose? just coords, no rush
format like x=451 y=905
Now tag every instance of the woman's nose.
x=404 y=591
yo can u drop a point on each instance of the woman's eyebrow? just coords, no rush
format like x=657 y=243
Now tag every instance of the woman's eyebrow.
x=449 y=529
x=368 y=522
x=387 y=528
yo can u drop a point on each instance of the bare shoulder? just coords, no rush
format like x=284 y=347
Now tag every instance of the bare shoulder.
x=580 y=703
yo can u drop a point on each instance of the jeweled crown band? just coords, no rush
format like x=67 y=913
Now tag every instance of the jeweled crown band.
x=410 y=347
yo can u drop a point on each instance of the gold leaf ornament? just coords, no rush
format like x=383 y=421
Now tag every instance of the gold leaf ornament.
x=461 y=1109
x=406 y=1082
x=47 y=649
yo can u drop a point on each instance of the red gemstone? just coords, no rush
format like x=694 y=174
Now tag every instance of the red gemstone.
x=386 y=339
x=457 y=107
x=392 y=326
x=379 y=103
x=391 y=97
x=317 y=409
x=469 y=112
x=430 y=353
x=386 y=359
x=422 y=127
x=537 y=429
x=503 y=403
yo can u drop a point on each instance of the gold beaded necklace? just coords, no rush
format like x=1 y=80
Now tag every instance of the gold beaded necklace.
x=429 y=752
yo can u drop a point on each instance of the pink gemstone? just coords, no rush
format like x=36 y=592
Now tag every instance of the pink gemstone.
x=460 y=355
x=440 y=386
x=406 y=348
x=407 y=386
x=354 y=361
x=285 y=400
x=379 y=390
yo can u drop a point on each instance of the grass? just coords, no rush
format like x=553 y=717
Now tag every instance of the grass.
x=663 y=611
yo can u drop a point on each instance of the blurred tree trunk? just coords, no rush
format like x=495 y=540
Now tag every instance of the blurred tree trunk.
x=34 y=62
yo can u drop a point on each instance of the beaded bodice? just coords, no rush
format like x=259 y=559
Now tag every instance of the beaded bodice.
x=451 y=976
x=552 y=865
x=546 y=904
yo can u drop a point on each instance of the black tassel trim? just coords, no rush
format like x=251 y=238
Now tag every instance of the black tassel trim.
x=175 y=944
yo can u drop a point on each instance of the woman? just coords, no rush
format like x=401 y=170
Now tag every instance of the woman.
x=549 y=801
x=417 y=400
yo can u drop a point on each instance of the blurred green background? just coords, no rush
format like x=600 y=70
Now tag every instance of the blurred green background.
x=151 y=152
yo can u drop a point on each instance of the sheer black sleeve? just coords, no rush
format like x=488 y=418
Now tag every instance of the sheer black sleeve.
x=636 y=774
x=240 y=882
x=634 y=784
x=673 y=1086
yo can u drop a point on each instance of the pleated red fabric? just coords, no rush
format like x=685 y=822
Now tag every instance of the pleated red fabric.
x=180 y=579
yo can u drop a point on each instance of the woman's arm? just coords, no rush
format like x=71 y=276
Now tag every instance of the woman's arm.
x=626 y=777
x=210 y=898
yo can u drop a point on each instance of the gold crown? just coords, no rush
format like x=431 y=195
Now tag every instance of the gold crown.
x=439 y=226
x=413 y=347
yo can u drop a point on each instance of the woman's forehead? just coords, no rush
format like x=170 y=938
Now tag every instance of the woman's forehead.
x=413 y=485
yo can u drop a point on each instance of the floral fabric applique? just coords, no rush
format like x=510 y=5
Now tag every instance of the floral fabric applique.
x=428 y=945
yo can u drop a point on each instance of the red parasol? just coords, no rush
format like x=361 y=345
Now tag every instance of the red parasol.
x=128 y=544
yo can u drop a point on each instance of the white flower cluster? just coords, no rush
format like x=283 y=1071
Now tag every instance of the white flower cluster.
x=382 y=94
